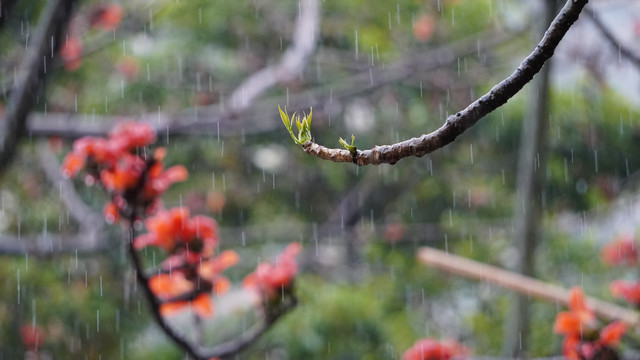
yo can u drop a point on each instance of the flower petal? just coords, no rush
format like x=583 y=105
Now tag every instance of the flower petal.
x=612 y=333
x=202 y=305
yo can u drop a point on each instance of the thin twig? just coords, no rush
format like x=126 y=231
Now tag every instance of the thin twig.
x=458 y=123
x=624 y=51
x=48 y=245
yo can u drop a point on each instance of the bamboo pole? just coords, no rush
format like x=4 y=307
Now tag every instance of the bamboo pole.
x=520 y=283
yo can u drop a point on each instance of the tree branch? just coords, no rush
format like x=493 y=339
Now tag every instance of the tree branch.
x=520 y=283
x=292 y=63
x=192 y=348
x=86 y=216
x=88 y=239
x=624 y=51
x=49 y=245
x=227 y=122
x=30 y=76
x=458 y=123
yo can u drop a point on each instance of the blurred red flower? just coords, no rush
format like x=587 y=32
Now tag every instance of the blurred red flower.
x=177 y=233
x=159 y=179
x=430 y=349
x=119 y=165
x=107 y=17
x=583 y=340
x=168 y=286
x=423 y=28
x=579 y=319
x=32 y=336
x=269 y=279
x=71 y=53
x=630 y=291
x=622 y=251
x=196 y=288
x=106 y=152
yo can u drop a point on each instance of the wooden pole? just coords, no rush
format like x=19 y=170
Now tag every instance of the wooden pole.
x=521 y=284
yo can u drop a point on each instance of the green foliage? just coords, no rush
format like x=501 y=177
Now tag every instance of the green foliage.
x=304 y=126
x=350 y=147
x=340 y=321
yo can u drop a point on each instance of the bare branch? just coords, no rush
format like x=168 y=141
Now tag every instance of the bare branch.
x=48 y=245
x=624 y=51
x=458 y=123
x=88 y=239
x=191 y=347
x=292 y=63
x=30 y=76
x=83 y=214
x=216 y=120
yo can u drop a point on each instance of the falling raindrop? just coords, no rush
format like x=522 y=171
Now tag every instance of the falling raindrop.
x=19 y=287
x=356 y=40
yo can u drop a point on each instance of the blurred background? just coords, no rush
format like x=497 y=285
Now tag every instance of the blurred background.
x=210 y=76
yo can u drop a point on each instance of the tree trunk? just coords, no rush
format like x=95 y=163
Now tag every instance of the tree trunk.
x=528 y=206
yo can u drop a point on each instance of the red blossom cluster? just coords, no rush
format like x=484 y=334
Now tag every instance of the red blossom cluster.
x=270 y=280
x=621 y=251
x=628 y=290
x=120 y=164
x=584 y=339
x=431 y=349
x=192 y=271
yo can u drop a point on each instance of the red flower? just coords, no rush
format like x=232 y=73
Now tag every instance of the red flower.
x=579 y=325
x=111 y=213
x=430 y=349
x=133 y=134
x=196 y=287
x=611 y=334
x=211 y=269
x=72 y=164
x=270 y=279
x=118 y=163
x=71 y=53
x=106 y=153
x=175 y=232
x=622 y=251
x=107 y=17
x=124 y=174
x=423 y=28
x=571 y=347
x=159 y=179
x=32 y=336
x=166 y=287
x=630 y=291
x=579 y=319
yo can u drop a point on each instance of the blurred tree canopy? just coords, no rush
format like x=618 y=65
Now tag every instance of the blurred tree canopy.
x=383 y=71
